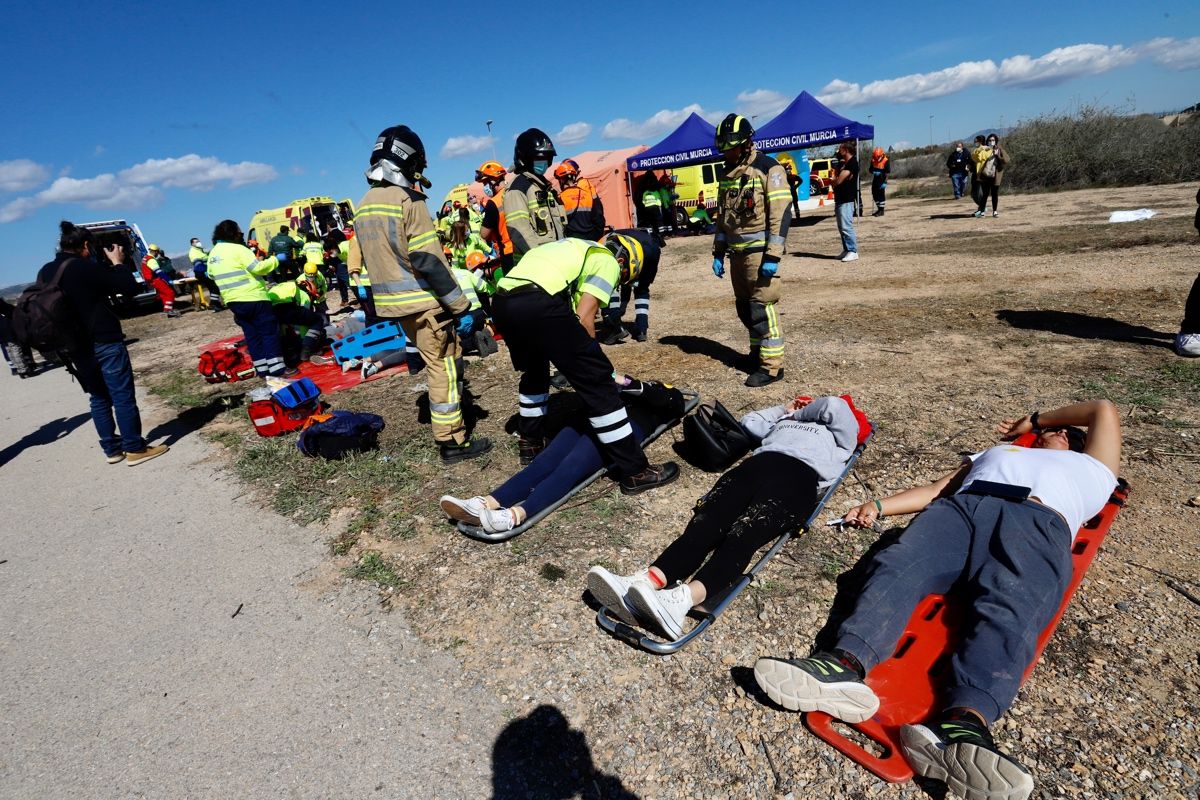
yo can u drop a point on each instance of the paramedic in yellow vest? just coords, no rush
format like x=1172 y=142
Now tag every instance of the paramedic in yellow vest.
x=412 y=284
x=239 y=274
x=342 y=252
x=292 y=302
x=532 y=210
x=754 y=212
x=546 y=310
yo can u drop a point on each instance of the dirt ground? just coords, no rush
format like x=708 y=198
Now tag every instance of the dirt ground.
x=945 y=325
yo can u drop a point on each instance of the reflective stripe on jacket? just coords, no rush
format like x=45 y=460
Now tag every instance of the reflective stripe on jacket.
x=575 y=264
x=394 y=236
x=238 y=272
x=533 y=213
x=754 y=208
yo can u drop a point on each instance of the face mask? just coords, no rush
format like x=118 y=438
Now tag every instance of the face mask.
x=489 y=191
x=540 y=167
x=958 y=149
x=992 y=143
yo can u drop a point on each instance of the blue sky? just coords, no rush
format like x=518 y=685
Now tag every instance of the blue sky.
x=178 y=118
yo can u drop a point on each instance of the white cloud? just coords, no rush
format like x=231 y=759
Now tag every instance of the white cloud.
x=1063 y=63
x=910 y=88
x=98 y=150
x=655 y=126
x=21 y=175
x=457 y=146
x=141 y=185
x=1179 y=54
x=903 y=144
x=574 y=133
x=1020 y=71
x=761 y=102
x=196 y=172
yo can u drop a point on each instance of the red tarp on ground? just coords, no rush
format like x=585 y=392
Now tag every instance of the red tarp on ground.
x=329 y=378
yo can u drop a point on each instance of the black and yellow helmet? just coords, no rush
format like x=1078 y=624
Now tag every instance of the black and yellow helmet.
x=629 y=254
x=734 y=130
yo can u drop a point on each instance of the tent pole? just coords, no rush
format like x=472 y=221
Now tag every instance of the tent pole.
x=632 y=205
x=858 y=179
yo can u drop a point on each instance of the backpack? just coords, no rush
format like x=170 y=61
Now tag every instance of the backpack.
x=44 y=317
x=339 y=434
x=713 y=438
x=989 y=167
x=225 y=366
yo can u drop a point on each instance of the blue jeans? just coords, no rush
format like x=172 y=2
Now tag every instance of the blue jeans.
x=107 y=376
x=1009 y=564
x=845 y=220
x=572 y=455
x=959 y=181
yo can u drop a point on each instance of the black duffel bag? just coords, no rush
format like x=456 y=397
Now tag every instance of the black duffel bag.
x=714 y=439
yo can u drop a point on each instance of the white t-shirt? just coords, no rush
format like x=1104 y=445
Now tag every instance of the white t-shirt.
x=1073 y=484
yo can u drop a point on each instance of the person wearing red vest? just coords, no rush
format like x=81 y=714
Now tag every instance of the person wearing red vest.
x=156 y=278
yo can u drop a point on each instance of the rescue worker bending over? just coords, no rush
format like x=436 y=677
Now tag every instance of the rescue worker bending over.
x=643 y=248
x=585 y=212
x=292 y=303
x=535 y=308
x=239 y=275
x=531 y=206
x=494 y=226
x=754 y=212
x=412 y=284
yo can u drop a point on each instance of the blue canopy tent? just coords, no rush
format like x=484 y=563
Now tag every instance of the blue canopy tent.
x=807 y=122
x=693 y=142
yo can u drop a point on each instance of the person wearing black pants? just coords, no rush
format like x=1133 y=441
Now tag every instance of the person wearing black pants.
x=1187 y=342
x=651 y=253
x=535 y=310
x=805 y=447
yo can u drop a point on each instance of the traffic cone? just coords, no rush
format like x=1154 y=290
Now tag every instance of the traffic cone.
x=830 y=195
x=822 y=203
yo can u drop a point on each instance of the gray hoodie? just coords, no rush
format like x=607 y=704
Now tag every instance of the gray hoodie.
x=823 y=435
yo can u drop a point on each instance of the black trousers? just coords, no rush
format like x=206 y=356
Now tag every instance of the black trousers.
x=1191 y=311
x=541 y=330
x=749 y=507
x=988 y=187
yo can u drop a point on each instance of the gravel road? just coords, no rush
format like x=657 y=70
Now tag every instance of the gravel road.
x=127 y=673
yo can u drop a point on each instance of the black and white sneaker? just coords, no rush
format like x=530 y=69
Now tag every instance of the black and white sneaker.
x=961 y=754
x=818 y=683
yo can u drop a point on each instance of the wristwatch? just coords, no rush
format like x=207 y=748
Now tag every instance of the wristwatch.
x=1033 y=420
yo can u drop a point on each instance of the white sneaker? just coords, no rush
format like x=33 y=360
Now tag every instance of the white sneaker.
x=351 y=363
x=666 y=609
x=995 y=213
x=851 y=256
x=612 y=591
x=499 y=520
x=1188 y=345
x=467 y=511
x=843 y=254
x=369 y=368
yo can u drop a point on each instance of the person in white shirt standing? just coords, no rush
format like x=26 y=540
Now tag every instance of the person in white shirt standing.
x=999 y=527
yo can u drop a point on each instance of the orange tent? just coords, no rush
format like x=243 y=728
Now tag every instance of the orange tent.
x=607 y=172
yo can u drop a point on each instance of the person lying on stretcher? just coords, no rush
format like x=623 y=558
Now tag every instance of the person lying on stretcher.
x=572 y=455
x=805 y=446
x=998 y=530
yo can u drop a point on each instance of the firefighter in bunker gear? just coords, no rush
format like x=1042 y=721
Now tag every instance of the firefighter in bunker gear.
x=532 y=209
x=412 y=284
x=754 y=213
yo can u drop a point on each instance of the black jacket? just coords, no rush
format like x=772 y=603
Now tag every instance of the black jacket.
x=959 y=163
x=88 y=285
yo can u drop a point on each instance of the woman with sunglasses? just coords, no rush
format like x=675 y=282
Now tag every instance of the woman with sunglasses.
x=998 y=529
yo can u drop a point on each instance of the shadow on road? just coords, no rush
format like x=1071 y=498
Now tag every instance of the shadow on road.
x=541 y=756
x=1085 y=326
x=50 y=432
x=826 y=256
x=192 y=420
x=722 y=353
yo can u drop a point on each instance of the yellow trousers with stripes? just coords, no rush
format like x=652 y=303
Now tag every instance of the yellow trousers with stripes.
x=757 y=298
x=432 y=332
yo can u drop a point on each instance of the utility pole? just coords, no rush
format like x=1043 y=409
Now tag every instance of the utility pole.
x=931 y=130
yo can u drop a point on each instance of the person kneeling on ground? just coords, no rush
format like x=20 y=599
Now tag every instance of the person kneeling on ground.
x=572 y=455
x=805 y=447
x=998 y=530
